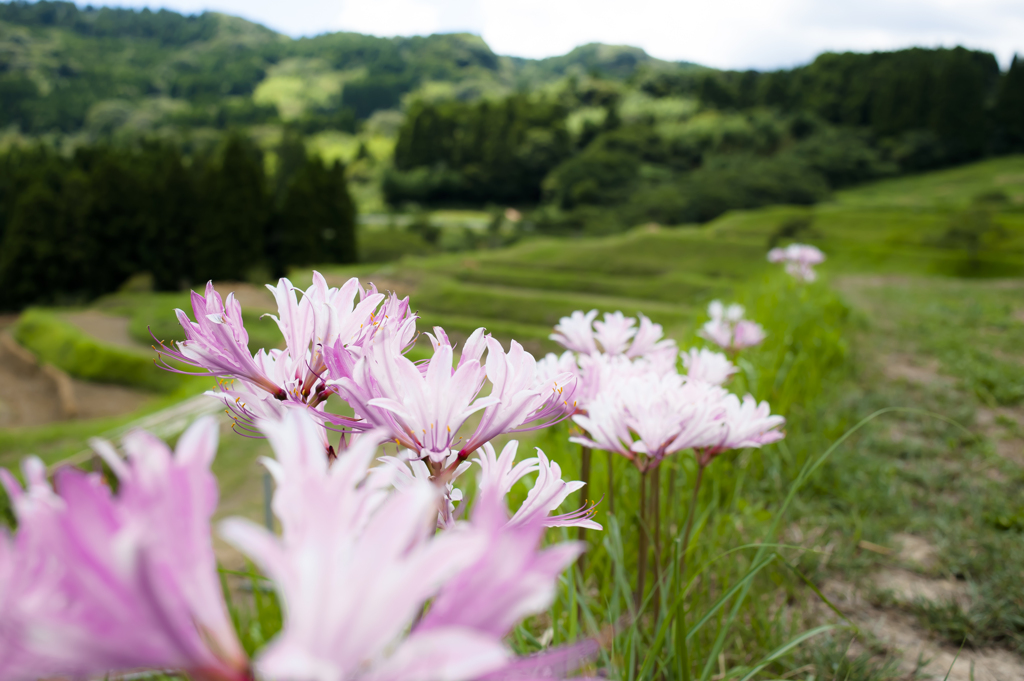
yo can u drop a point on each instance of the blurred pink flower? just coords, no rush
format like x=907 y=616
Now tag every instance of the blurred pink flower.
x=747 y=334
x=104 y=584
x=800 y=260
x=727 y=328
x=576 y=332
x=742 y=424
x=615 y=334
x=651 y=415
x=358 y=561
x=708 y=366
x=511 y=579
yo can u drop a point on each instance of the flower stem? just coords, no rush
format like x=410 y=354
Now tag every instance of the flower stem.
x=655 y=515
x=611 y=483
x=691 y=512
x=585 y=456
x=642 y=566
x=683 y=659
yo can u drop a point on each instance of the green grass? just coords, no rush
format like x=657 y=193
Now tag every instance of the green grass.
x=836 y=352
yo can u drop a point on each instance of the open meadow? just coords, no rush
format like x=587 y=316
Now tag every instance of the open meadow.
x=882 y=539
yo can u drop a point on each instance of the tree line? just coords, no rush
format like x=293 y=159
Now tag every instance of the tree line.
x=737 y=140
x=72 y=228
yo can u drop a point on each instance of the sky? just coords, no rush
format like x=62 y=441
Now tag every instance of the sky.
x=732 y=34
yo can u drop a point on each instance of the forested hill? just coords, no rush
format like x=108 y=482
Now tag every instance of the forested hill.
x=64 y=69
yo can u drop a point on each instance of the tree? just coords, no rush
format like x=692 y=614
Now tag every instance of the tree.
x=1009 y=108
x=317 y=221
x=958 y=115
x=229 y=241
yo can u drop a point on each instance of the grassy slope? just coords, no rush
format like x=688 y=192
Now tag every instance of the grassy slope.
x=887 y=481
x=668 y=274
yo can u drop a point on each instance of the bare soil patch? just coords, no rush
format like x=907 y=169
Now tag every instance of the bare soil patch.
x=104 y=327
x=908 y=368
x=30 y=395
x=915 y=551
x=916 y=651
x=250 y=296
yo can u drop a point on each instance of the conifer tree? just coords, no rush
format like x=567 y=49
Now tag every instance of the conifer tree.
x=229 y=242
x=318 y=218
x=1009 y=109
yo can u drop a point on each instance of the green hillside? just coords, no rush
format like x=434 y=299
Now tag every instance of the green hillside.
x=103 y=71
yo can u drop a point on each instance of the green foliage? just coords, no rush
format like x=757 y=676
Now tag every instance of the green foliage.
x=74 y=228
x=497 y=151
x=1009 y=108
x=62 y=344
x=316 y=223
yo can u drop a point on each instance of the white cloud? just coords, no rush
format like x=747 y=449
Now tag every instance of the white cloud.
x=722 y=33
x=391 y=17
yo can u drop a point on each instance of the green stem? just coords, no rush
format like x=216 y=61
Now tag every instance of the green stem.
x=683 y=670
x=585 y=455
x=691 y=512
x=611 y=483
x=642 y=566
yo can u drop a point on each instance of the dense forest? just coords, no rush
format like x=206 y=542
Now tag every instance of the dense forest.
x=191 y=147
x=72 y=228
x=684 y=145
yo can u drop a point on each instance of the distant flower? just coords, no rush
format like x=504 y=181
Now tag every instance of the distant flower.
x=97 y=584
x=613 y=335
x=800 y=260
x=727 y=328
x=708 y=366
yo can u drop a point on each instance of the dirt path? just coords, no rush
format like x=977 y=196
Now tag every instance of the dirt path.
x=104 y=327
x=919 y=655
x=31 y=395
x=910 y=572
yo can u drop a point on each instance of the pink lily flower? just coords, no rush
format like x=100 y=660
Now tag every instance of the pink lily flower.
x=522 y=399
x=616 y=334
x=218 y=343
x=576 y=332
x=499 y=473
x=510 y=581
x=560 y=375
x=707 y=366
x=649 y=342
x=746 y=424
x=652 y=416
x=357 y=562
x=104 y=584
x=405 y=468
x=421 y=410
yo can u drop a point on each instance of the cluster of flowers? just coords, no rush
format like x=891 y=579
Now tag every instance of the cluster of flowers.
x=351 y=342
x=632 y=400
x=95 y=583
x=800 y=260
